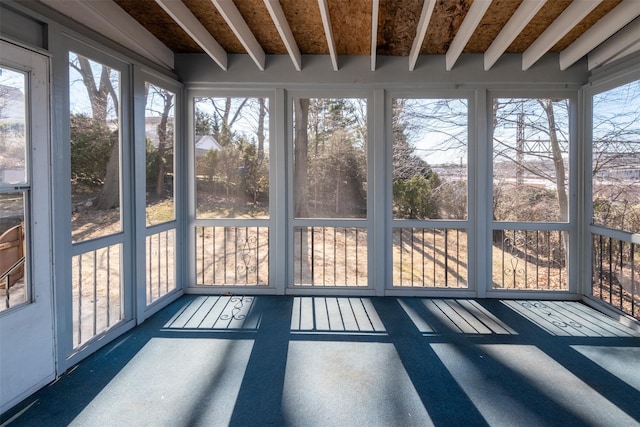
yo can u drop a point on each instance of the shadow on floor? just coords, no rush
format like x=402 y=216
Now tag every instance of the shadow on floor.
x=219 y=360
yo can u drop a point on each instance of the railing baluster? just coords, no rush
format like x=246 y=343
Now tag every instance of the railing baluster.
x=109 y=286
x=457 y=258
x=601 y=271
x=621 y=266
x=446 y=258
x=313 y=255
x=80 y=298
x=356 y=230
x=95 y=291
x=526 y=257
x=335 y=253
x=324 y=253
x=346 y=280
x=435 y=256
x=633 y=279
x=6 y=287
x=504 y=233
x=610 y=270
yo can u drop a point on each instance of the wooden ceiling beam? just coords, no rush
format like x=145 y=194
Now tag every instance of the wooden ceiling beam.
x=423 y=24
x=280 y=21
x=190 y=24
x=568 y=19
x=239 y=26
x=607 y=26
x=469 y=25
x=525 y=12
x=375 y=7
x=110 y=20
x=616 y=45
x=328 y=31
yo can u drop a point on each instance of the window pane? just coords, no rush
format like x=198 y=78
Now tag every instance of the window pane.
x=531 y=160
x=430 y=158
x=94 y=89
x=616 y=158
x=159 y=132
x=330 y=158
x=13 y=140
x=232 y=157
x=13 y=289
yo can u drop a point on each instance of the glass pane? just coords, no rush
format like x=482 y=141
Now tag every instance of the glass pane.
x=94 y=91
x=430 y=158
x=616 y=158
x=13 y=289
x=159 y=132
x=531 y=160
x=330 y=158
x=232 y=157
x=13 y=137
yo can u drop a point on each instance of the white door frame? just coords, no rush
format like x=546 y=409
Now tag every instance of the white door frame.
x=27 y=340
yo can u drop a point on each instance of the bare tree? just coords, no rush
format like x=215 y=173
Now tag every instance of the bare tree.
x=301 y=162
x=99 y=93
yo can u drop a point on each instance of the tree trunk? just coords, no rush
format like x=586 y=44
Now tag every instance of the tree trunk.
x=300 y=178
x=162 y=141
x=561 y=186
x=110 y=195
x=262 y=113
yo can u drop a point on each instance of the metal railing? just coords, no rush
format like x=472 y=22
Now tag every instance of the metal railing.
x=14 y=285
x=232 y=256
x=160 y=268
x=529 y=259
x=616 y=273
x=430 y=257
x=330 y=256
x=96 y=292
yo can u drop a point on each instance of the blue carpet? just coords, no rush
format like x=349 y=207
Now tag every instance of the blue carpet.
x=321 y=361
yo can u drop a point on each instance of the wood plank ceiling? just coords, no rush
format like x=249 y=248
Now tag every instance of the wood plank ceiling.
x=602 y=29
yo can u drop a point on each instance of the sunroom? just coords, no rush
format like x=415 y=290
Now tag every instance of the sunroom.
x=332 y=151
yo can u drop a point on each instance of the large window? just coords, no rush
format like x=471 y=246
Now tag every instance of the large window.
x=530 y=193
x=615 y=172
x=95 y=148
x=96 y=175
x=160 y=204
x=232 y=157
x=616 y=158
x=330 y=183
x=14 y=188
x=430 y=153
x=231 y=149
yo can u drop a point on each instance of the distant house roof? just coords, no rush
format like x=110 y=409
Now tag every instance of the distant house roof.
x=11 y=103
x=205 y=143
